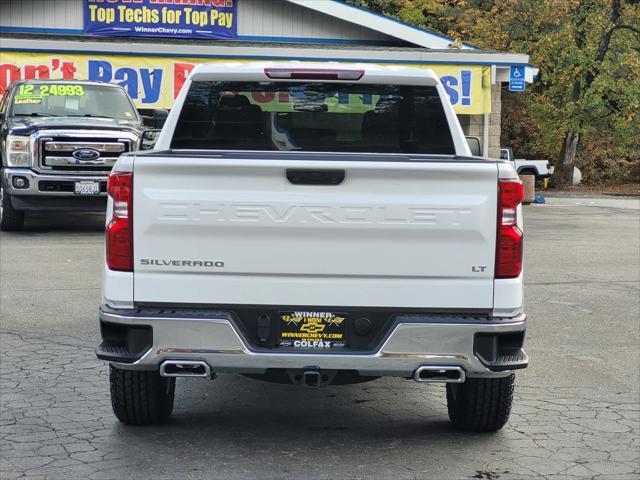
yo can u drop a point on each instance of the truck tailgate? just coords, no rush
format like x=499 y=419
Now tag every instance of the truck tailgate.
x=232 y=229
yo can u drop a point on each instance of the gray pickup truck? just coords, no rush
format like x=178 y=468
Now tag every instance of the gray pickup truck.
x=59 y=141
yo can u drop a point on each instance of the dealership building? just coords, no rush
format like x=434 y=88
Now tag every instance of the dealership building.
x=150 y=46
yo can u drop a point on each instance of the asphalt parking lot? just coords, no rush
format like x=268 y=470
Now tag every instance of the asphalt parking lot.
x=577 y=413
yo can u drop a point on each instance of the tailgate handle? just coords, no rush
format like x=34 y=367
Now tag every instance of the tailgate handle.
x=316 y=177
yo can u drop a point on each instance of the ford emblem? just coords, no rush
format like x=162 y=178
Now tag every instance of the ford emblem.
x=86 y=154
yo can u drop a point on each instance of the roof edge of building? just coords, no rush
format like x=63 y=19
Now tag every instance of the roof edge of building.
x=72 y=44
x=390 y=26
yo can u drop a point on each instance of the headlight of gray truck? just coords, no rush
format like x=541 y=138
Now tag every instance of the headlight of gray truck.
x=19 y=151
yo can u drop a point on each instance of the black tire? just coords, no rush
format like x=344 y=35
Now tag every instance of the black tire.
x=480 y=404
x=141 y=398
x=12 y=219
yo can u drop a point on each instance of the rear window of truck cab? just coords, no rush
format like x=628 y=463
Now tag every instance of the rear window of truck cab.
x=320 y=117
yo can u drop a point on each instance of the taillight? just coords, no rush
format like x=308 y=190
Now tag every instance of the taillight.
x=120 y=229
x=313 y=74
x=509 y=247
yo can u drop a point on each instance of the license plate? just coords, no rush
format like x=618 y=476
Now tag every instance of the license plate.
x=87 y=188
x=312 y=330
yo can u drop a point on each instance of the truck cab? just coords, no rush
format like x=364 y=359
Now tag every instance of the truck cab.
x=59 y=141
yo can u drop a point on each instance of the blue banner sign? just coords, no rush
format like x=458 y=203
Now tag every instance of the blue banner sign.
x=517 y=79
x=209 y=19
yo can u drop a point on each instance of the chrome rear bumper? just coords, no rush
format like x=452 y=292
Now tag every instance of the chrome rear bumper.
x=413 y=342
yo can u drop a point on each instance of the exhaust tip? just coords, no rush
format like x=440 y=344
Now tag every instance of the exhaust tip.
x=185 y=369
x=439 y=374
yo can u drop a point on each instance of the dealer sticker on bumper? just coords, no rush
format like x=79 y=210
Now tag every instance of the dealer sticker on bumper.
x=303 y=330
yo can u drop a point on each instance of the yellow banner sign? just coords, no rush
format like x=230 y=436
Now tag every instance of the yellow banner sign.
x=154 y=82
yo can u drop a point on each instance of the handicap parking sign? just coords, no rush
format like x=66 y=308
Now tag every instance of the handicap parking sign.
x=516 y=80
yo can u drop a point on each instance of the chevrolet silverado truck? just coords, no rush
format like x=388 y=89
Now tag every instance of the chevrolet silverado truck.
x=59 y=141
x=313 y=224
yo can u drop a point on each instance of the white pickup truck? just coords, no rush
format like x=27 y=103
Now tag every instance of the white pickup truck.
x=541 y=169
x=314 y=224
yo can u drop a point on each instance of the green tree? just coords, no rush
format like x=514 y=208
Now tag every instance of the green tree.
x=584 y=105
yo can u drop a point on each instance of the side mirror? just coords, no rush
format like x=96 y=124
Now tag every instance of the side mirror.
x=474 y=146
x=149 y=139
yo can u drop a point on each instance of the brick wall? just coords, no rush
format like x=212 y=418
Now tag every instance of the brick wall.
x=473 y=125
x=495 y=121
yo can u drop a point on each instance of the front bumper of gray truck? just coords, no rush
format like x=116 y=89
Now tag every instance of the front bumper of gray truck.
x=30 y=190
x=60 y=179
x=432 y=348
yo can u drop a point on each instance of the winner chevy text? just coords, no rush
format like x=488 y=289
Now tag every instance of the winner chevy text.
x=314 y=224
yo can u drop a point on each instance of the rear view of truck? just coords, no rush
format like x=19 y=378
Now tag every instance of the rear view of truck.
x=315 y=224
